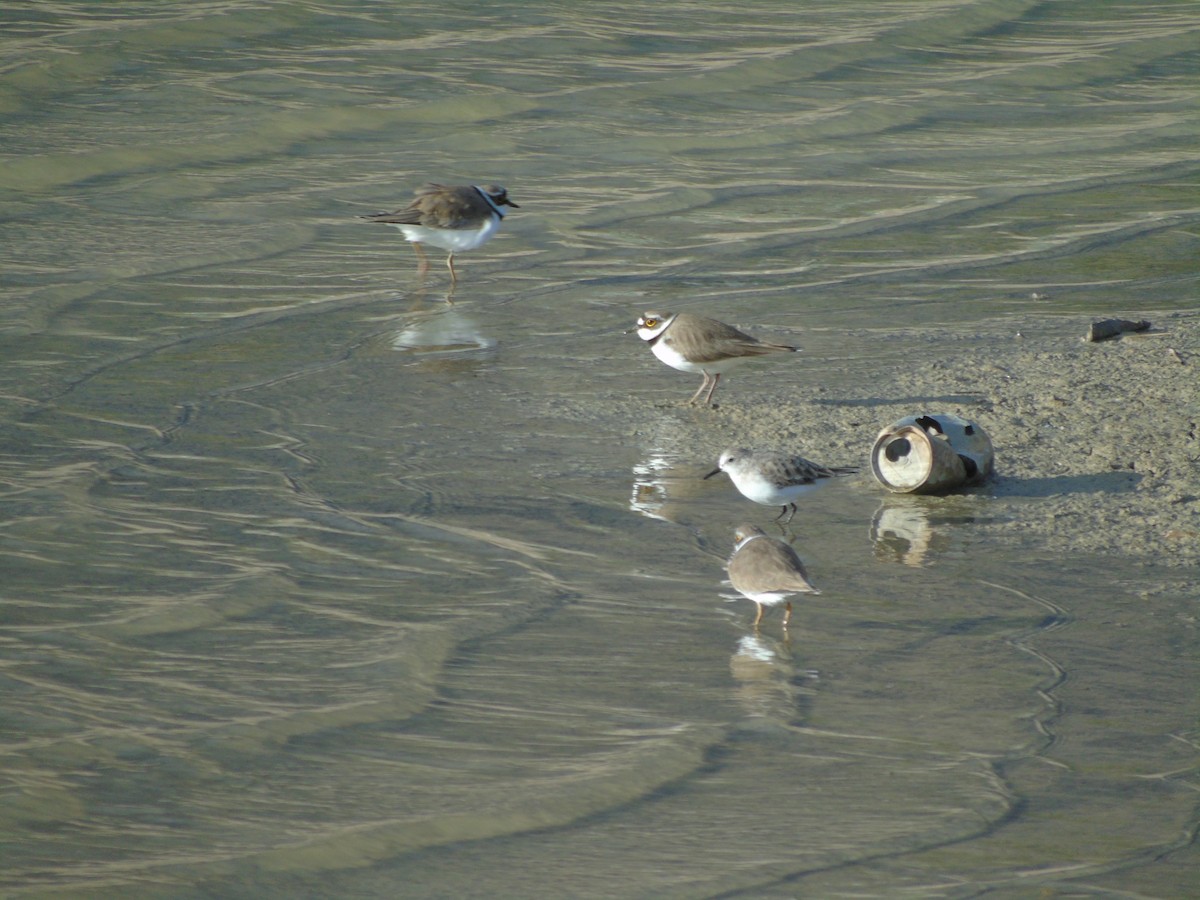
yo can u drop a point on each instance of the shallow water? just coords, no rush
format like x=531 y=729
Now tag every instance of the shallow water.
x=318 y=585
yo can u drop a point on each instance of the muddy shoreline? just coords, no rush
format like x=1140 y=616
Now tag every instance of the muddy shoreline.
x=1097 y=444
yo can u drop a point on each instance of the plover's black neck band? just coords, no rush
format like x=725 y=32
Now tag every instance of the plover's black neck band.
x=490 y=202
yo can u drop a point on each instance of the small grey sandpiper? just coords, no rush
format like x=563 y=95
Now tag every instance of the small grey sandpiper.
x=775 y=479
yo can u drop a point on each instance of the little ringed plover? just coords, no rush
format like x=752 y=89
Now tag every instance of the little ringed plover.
x=702 y=345
x=766 y=570
x=454 y=218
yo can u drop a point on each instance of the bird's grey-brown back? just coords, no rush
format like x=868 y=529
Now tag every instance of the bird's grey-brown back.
x=704 y=340
x=448 y=206
x=778 y=468
x=765 y=565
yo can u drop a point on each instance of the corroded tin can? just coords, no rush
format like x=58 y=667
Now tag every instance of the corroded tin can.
x=931 y=454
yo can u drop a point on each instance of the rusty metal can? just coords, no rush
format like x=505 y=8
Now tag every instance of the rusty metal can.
x=931 y=454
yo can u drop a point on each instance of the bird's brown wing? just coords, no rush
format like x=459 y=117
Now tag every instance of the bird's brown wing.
x=765 y=564
x=729 y=341
x=436 y=205
x=448 y=207
x=720 y=341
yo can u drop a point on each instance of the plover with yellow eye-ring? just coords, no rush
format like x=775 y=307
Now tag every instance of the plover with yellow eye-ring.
x=702 y=345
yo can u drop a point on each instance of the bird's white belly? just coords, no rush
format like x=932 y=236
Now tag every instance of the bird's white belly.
x=676 y=360
x=768 y=493
x=452 y=239
x=768 y=598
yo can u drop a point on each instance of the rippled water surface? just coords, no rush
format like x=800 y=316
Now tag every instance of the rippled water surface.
x=316 y=584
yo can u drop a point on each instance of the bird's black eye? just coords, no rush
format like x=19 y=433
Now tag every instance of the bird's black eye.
x=650 y=323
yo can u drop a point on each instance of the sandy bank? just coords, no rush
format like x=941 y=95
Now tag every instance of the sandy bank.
x=1097 y=444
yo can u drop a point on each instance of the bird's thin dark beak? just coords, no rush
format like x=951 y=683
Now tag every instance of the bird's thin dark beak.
x=716 y=471
x=508 y=202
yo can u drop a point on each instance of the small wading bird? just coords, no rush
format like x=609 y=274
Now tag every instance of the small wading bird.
x=701 y=345
x=766 y=570
x=453 y=218
x=775 y=479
